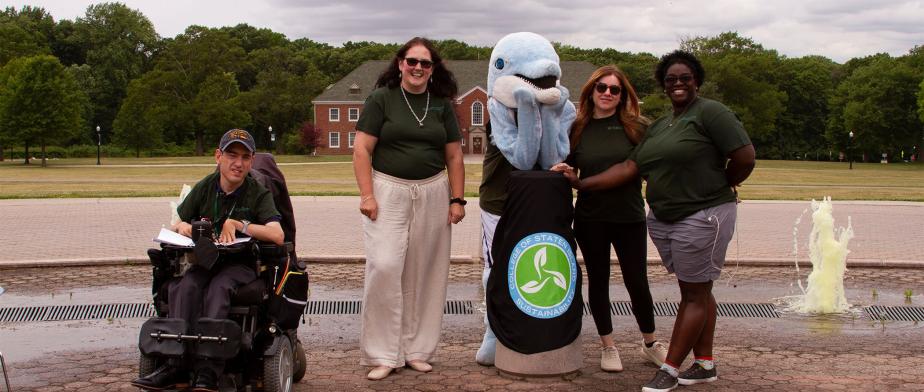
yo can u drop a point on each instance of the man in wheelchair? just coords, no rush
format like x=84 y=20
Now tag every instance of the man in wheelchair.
x=232 y=202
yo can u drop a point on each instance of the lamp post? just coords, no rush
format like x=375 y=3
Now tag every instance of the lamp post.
x=99 y=141
x=272 y=137
x=849 y=156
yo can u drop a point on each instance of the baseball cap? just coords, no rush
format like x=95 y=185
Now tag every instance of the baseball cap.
x=237 y=136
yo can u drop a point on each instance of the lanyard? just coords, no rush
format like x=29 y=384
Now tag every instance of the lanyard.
x=219 y=222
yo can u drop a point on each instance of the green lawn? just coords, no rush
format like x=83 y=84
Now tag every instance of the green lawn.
x=333 y=175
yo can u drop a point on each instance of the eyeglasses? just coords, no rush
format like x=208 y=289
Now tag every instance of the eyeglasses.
x=412 y=62
x=601 y=88
x=685 y=78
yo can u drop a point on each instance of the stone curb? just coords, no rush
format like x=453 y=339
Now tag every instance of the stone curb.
x=456 y=259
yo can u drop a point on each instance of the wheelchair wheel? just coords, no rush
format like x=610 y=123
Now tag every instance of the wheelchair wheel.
x=277 y=369
x=146 y=365
x=301 y=362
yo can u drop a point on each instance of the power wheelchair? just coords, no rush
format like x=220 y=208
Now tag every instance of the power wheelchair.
x=258 y=341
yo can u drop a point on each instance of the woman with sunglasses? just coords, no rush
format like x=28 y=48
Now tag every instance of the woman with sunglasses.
x=692 y=159
x=407 y=159
x=606 y=130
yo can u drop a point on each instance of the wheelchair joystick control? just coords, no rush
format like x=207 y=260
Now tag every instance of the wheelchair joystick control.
x=201 y=228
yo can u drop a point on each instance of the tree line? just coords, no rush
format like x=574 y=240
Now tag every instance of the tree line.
x=59 y=80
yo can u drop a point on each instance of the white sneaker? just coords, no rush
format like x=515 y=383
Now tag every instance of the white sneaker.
x=657 y=353
x=609 y=359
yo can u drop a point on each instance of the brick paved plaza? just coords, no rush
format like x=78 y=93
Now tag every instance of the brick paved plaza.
x=789 y=353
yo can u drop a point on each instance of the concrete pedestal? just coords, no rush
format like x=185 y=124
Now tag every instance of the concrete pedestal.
x=565 y=360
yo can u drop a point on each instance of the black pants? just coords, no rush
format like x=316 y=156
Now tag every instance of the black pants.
x=629 y=241
x=207 y=293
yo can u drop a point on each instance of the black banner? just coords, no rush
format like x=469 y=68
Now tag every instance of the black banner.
x=534 y=298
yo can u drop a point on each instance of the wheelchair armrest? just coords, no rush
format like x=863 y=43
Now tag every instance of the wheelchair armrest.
x=271 y=250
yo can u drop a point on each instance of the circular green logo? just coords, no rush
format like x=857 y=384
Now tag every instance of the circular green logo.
x=541 y=275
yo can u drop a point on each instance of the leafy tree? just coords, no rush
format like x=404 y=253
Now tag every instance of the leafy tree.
x=216 y=108
x=746 y=78
x=140 y=122
x=184 y=65
x=67 y=45
x=920 y=144
x=878 y=102
x=40 y=101
x=27 y=32
x=310 y=136
x=285 y=86
x=120 y=43
x=809 y=82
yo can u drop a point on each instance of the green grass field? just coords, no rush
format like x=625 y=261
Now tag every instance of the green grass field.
x=333 y=175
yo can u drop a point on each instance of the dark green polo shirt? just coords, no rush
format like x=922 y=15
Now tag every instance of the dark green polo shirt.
x=404 y=148
x=251 y=201
x=495 y=171
x=603 y=144
x=683 y=160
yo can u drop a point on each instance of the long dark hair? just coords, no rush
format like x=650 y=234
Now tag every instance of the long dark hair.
x=630 y=116
x=442 y=82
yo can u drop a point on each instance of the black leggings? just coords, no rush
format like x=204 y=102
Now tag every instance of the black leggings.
x=630 y=242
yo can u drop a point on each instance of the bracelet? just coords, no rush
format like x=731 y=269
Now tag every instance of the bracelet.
x=367 y=197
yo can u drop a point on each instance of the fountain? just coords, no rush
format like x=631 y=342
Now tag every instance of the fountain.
x=824 y=291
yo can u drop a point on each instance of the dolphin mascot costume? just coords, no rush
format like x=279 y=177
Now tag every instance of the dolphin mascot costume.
x=530 y=119
x=530 y=111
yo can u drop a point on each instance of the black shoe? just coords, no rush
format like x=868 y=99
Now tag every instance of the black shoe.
x=697 y=374
x=206 y=381
x=662 y=382
x=165 y=377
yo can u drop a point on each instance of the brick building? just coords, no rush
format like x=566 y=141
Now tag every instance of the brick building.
x=336 y=110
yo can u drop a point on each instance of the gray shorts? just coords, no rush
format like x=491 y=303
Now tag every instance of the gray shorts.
x=694 y=247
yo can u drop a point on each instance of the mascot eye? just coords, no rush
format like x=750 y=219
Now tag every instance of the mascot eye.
x=499 y=64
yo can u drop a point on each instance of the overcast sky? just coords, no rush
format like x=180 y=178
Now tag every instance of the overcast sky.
x=837 y=29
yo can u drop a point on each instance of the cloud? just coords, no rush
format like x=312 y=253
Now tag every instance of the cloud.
x=837 y=29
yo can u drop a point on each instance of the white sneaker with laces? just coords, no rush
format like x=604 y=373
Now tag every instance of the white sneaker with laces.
x=657 y=353
x=609 y=359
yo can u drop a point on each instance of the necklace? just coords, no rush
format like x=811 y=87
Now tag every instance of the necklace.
x=420 y=120
x=674 y=119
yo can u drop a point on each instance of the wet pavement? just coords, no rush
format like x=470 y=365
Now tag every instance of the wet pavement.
x=92 y=251
x=793 y=352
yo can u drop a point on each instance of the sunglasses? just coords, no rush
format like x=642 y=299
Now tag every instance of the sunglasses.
x=670 y=80
x=602 y=87
x=412 y=62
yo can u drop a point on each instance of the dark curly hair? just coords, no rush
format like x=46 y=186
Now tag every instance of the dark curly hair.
x=442 y=82
x=682 y=57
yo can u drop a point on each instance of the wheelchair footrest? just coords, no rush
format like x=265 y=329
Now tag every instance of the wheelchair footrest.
x=155 y=336
x=217 y=339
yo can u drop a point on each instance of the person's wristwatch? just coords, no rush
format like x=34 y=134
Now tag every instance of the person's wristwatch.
x=458 y=200
x=245 y=223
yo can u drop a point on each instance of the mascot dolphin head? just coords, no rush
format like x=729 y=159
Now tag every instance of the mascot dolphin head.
x=524 y=59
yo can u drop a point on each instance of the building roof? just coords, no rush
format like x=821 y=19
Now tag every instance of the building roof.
x=469 y=74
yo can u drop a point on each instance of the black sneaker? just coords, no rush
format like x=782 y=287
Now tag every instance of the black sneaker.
x=662 y=382
x=697 y=374
x=164 y=377
x=206 y=381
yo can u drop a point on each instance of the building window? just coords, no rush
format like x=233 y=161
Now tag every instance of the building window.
x=333 y=139
x=334 y=114
x=351 y=137
x=477 y=113
x=353 y=114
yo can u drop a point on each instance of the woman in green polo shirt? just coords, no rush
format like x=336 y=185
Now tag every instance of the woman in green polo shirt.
x=608 y=126
x=408 y=140
x=691 y=159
